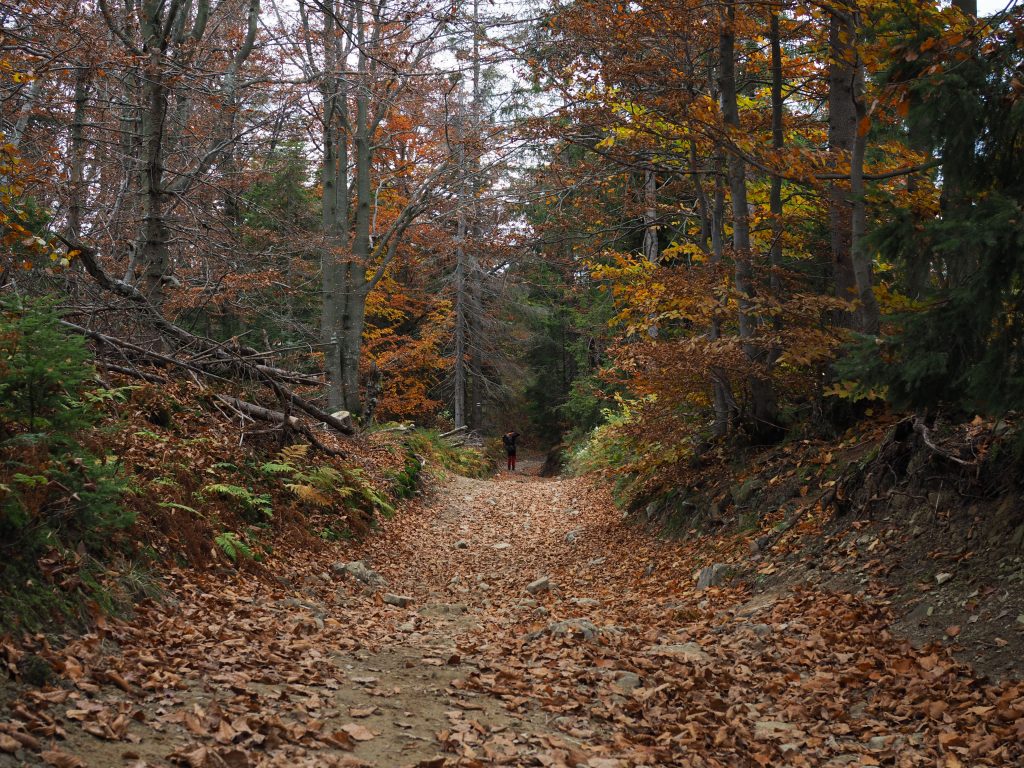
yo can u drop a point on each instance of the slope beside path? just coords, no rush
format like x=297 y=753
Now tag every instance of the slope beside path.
x=523 y=622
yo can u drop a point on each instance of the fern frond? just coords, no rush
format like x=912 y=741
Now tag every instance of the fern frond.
x=308 y=494
x=326 y=478
x=293 y=454
x=276 y=468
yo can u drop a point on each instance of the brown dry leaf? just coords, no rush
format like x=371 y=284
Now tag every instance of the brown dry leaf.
x=359 y=732
x=339 y=740
x=953 y=631
x=235 y=758
x=59 y=759
x=195 y=757
x=362 y=711
x=9 y=744
x=225 y=733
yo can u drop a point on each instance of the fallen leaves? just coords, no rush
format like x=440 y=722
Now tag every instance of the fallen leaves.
x=59 y=759
x=627 y=664
x=358 y=732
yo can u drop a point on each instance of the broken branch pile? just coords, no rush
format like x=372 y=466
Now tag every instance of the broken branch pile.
x=204 y=359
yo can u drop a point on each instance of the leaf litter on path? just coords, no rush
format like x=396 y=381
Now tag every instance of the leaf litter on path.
x=619 y=661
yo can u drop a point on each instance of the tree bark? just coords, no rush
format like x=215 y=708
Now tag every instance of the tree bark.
x=778 y=142
x=842 y=131
x=847 y=136
x=763 y=402
x=76 y=202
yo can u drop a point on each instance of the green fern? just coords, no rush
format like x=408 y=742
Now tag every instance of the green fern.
x=276 y=468
x=253 y=502
x=233 y=547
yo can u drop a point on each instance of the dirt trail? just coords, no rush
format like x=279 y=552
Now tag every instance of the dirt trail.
x=612 y=659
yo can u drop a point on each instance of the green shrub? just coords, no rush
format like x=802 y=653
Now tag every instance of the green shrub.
x=429 y=444
x=60 y=502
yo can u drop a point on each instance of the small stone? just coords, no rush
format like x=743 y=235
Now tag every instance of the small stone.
x=402 y=601
x=713 y=576
x=407 y=626
x=1020 y=618
x=462 y=544
x=626 y=681
x=360 y=571
x=762 y=630
x=543 y=584
x=681 y=651
x=585 y=602
x=571 y=536
x=579 y=628
x=596 y=561
x=502 y=545
x=942 y=578
x=877 y=743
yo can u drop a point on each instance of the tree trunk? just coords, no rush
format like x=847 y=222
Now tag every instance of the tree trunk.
x=842 y=131
x=460 y=374
x=867 y=306
x=651 y=251
x=151 y=247
x=76 y=202
x=778 y=142
x=334 y=214
x=763 y=403
x=848 y=208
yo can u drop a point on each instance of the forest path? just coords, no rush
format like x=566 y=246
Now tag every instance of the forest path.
x=615 y=661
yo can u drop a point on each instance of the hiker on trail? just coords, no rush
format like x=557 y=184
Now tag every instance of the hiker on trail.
x=509 y=439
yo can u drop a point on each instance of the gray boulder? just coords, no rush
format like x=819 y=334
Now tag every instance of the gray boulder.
x=543 y=584
x=713 y=576
x=360 y=571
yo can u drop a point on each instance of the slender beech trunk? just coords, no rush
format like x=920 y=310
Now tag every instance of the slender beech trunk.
x=151 y=246
x=778 y=142
x=763 y=404
x=76 y=202
x=35 y=88
x=703 y=205
x=333 y=211
x=460 y=373
x=475 y=276
x=842 y=130
x=848 y=208
x=867 y=306
x=650 y=247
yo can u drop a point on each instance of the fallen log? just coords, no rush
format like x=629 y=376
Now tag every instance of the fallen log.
x=260 y=413
x=217 y=352
x=152 y=378
x=396 y=428
x=121 y=344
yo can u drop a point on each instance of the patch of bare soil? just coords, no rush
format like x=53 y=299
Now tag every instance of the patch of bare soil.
x=949 y=571
x=522 y=622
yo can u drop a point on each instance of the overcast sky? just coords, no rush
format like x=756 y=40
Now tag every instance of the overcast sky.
x=987 y=7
